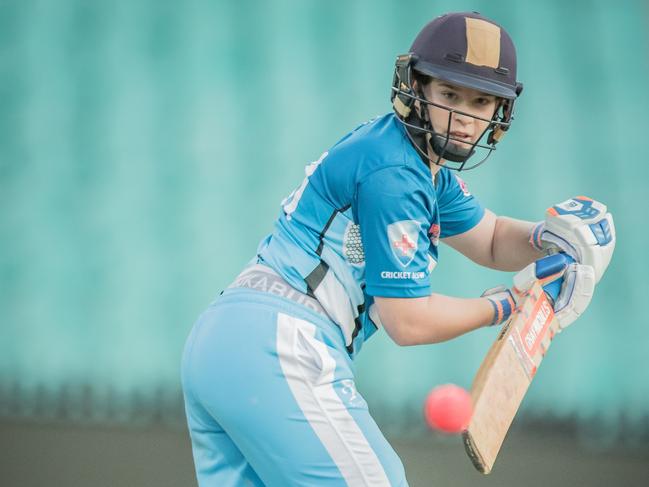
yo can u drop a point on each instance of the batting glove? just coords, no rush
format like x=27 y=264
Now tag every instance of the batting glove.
x=582 y=228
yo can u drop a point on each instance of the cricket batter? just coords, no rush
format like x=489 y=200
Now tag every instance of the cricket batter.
x=267 y=369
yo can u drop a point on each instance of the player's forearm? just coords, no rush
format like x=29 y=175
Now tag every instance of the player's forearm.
x=511 y=249
x=432 y=319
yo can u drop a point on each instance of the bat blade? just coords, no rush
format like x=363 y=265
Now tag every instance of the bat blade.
x=505 y=375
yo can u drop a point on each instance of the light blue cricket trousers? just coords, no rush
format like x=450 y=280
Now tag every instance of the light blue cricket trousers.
x=270 y=400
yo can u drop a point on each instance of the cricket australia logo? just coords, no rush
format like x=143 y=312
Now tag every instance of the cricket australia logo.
x=403 y=237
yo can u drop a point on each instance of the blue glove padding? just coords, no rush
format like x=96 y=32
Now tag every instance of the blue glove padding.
x=549 y=266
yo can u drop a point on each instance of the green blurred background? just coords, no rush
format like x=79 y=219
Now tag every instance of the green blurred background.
x=145 y=146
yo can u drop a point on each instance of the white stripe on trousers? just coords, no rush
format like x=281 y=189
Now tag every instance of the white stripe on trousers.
x=309 y=370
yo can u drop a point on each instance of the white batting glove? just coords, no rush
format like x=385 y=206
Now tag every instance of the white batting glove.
x=575 y=292
x=580 y=227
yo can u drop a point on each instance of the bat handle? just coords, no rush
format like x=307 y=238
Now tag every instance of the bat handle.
x=549 y=265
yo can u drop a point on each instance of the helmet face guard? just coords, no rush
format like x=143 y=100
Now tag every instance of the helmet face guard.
x=454 y=151
x=446 y=50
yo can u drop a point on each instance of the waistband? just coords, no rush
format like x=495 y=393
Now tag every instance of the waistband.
x=263 y=278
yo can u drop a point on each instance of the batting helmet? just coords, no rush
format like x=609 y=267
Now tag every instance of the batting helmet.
x=464 y=49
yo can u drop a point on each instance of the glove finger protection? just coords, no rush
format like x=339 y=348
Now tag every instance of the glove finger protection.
x=569 y=286
x=576 y=294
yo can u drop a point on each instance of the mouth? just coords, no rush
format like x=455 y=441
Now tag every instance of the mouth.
x=461 y=136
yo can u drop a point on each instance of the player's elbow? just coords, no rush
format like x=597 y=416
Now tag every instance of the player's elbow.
x=401 y=334
x=407 y=334
x=394 y=318
x=401 y=319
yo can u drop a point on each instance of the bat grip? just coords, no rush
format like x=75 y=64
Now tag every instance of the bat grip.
x=549 y=265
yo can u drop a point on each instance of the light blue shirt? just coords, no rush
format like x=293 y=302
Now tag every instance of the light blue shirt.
x=366 y=221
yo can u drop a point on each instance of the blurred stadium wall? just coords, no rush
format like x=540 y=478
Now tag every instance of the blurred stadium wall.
x=145 y=147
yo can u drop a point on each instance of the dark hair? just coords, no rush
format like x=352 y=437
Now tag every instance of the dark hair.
x=422 y=79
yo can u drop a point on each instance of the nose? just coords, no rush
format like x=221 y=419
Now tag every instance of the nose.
x=462 y=118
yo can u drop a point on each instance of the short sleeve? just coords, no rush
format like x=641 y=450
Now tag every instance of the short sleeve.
x=393 y=208
x=459 y=210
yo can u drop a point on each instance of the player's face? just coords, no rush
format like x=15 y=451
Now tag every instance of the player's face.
x=463 y=126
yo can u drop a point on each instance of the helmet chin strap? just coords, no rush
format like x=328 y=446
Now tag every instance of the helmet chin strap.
x=448 y=150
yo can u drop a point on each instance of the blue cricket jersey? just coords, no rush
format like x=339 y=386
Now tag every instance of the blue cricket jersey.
x=366 y=221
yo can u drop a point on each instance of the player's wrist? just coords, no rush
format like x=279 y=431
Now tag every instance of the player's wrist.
x=535 y=236
x=501 y=305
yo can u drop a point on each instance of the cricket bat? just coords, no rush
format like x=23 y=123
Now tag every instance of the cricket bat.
x=505 y=374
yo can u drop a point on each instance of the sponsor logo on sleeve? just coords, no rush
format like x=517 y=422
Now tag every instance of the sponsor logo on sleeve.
x=402 y=275
x=403 y=236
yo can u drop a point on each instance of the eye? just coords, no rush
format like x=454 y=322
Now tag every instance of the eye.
x=483 y=101
x=449 y=95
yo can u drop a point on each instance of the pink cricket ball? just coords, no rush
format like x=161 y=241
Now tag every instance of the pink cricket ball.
x=448 y=408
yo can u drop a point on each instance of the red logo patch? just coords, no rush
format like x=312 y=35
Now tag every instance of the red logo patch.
x=405 y=244
x=463 y=186
x=433 y=233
